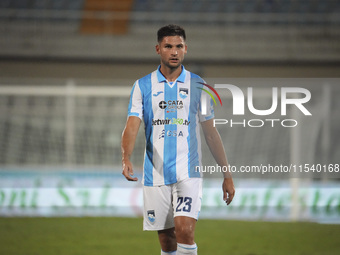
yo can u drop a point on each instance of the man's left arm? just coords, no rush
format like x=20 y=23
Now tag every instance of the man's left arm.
x=214 y=142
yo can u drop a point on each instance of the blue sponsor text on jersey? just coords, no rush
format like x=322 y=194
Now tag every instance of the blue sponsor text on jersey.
x=170 y=133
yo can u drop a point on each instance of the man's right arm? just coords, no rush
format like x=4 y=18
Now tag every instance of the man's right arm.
x=127 y=145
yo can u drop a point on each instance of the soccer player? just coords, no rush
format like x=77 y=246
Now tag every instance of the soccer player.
x=168 y=100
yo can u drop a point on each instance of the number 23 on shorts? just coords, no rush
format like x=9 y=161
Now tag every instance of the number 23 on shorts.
x=184 y=204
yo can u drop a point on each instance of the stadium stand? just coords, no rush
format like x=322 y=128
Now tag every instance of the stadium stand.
x=262 y=30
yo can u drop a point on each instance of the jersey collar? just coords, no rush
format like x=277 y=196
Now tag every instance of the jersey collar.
x=161 y=78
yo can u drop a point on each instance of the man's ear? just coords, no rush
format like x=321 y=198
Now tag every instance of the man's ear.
x=157 y=49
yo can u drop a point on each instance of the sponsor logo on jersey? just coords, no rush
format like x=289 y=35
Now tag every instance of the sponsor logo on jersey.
x=158 y=93
x=170 y=133
x=171 y=104
x=173 y=121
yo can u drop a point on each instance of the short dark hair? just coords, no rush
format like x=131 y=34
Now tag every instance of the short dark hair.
x=170 y=30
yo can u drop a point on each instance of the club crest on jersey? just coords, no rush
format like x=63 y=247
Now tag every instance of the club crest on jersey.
x=183 y=93
x=151 y=216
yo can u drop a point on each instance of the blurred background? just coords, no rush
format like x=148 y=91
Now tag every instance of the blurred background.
x=67 y=68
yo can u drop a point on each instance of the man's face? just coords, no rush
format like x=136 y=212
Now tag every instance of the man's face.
x=172 y=50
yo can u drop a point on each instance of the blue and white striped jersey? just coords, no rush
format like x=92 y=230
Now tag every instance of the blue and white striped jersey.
x=171 y=114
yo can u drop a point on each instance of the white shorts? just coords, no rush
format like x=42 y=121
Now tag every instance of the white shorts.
x=163 y=203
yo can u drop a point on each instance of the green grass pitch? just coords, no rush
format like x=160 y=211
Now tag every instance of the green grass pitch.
x=120 y=236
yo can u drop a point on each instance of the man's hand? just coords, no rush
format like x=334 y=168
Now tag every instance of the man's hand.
x=127 y=171
x=128 y=142
x=228 y=190
x=216 y=147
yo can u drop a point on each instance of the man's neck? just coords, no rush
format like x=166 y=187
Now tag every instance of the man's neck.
x=171 y=74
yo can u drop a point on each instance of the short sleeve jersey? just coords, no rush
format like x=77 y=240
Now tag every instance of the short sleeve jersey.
x=171 y=114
